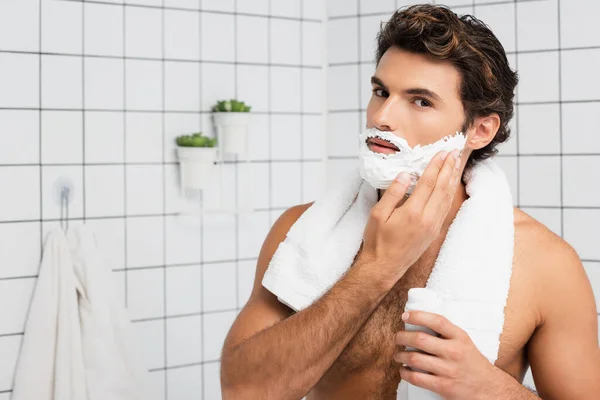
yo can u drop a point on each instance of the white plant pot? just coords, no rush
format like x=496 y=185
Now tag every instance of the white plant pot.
x=232 y=131
x=198 y=168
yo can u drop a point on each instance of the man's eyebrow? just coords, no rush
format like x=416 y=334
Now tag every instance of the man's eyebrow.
x=414 y=91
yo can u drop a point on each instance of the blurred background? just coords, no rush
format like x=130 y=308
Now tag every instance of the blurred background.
x=97 y=91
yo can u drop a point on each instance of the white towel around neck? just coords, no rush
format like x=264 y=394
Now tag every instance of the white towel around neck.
x=471 y=274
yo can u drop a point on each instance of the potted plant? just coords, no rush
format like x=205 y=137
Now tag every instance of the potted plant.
x=197 y=158
x=231 y=118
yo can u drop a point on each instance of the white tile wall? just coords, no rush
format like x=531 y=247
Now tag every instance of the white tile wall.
x=96 y=92
x=552 y=160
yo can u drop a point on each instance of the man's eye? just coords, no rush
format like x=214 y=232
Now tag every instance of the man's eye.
x=379 y=92
x=424 y=102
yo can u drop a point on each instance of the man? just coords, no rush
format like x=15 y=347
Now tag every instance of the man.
x=436 y=74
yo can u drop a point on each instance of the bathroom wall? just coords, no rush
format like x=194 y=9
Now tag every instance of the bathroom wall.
x=553 y=160
x=95 y=92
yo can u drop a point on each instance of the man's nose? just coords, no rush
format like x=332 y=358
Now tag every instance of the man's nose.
x=383 y=119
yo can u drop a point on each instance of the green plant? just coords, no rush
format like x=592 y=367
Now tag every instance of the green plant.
x=231 y=106
x=196 y=140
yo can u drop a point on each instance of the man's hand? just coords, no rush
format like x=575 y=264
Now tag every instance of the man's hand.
x=457 y=369
x=396 y=236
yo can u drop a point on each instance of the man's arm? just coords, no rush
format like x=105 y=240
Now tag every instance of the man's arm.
x=270 y=354
x=564 y=352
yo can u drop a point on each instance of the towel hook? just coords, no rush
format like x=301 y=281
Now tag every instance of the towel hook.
x=64 y=193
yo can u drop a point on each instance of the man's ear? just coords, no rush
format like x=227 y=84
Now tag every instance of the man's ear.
x=483 y=131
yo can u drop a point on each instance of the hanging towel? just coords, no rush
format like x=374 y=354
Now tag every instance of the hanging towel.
x=471 y=274
x=78 y=342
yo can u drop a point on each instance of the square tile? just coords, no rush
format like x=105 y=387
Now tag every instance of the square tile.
x=285 y=40
x=313 y=137
x=51 y=176
x=20 y=248
x=313 y=180
x=18 y=293
x=501 y=20
x=259 y=132
x=252 y=231
x=143 y=128
x=580 y=131
x=61 y=82
x=252 y=86
x=286 y=8
x=342 y=88
x=222 y=196
x=185 y=383
x=538 y=77
x=144 y=189
x=313 y=50
x=99 y=95
x=578 y=27
x=104 y=187
x=262 y=185
x=100 y=35
x=218 y=237
x=593 y=272
x=143 y=81
x=246 y=276
x=183 y=241
x=61 y=27
x=156 y=385
x=178 y=124
x=252 y=39
x=19 y=80
x=537 y=25
x=145 y=291
x=217 y=26
x=257 y=7
x=539 y=181
x=212 y=380
x=579 y=173
x=579 y=71
x=581 y=231
x=313 y=90
x=151 y=337
x=23 y=145
x=550 y=217
x=152 y=3
x=338 y=8
x=119 y=287
x=184 y=340
x=509 y=167
x=218 y=5
x=219 y=289
x=285 y=89
x=286 y=178
x=377 y=6
x=342 y=134
x=10 y=347
x=104 y=137
x=339 y=48
x=217 y=84
x=19 y=25
x=313 y=9
x=143 y=32
x=182 y=86
x=369 y=28
x=286 y=137
x=110 y=235
x=190 y=4
x=366 y=89
x=509 y=147
x=216 y=326
x=145 y=241
x=62 y=137
x=539 y=125
x=182 y=35
x=184 y=290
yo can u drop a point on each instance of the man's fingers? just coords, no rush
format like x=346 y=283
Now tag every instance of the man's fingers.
x=426 y=183
x=393 y=195
x=440 y=201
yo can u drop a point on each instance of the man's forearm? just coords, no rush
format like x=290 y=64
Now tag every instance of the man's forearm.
x=506 y=387
x=287 y=359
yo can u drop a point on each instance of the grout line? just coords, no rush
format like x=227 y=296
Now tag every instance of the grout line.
x=112 y=110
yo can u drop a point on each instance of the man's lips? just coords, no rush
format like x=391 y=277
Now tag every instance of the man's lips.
x=381 y=146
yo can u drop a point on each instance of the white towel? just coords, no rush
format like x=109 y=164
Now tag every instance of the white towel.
x=471 y=274
x=78 y=342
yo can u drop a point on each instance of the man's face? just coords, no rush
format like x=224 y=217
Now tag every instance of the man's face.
x=415 y=97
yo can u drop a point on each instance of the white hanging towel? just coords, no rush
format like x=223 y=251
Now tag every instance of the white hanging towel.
x=471 y=274
x=78 y=342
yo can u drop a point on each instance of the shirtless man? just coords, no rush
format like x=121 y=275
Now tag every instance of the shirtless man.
x=349 y=343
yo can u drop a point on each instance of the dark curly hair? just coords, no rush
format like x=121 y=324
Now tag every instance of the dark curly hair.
x=487 y=84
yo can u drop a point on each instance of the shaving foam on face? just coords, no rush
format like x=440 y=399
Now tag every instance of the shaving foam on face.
x=380 y=170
